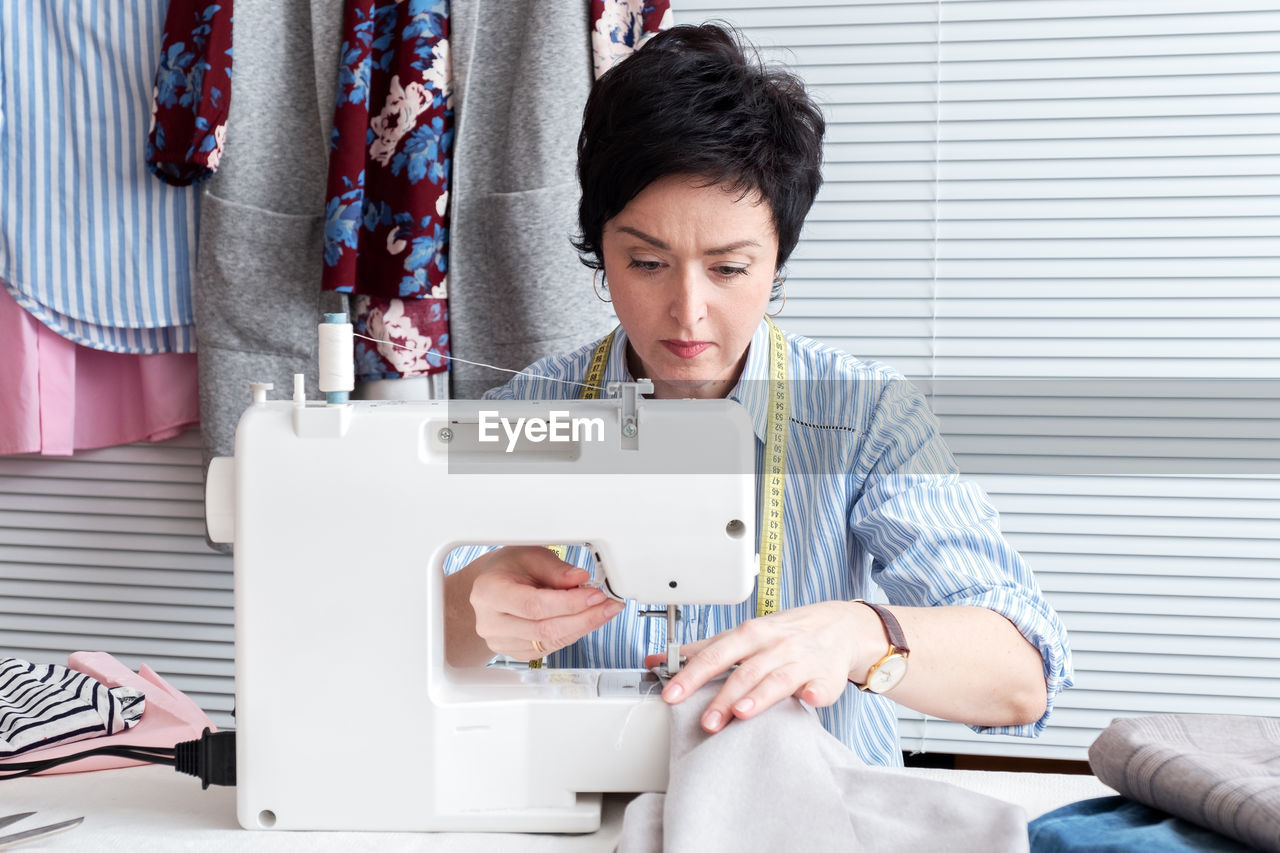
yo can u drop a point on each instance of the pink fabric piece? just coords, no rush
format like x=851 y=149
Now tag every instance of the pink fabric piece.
x=57 y=396
x=170 y=716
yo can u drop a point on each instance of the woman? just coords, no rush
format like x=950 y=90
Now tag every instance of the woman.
x=698 y=166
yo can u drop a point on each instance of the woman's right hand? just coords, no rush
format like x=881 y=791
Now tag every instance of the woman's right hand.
x=527 y=603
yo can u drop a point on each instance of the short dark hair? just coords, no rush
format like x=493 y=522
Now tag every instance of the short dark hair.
x=698 y=100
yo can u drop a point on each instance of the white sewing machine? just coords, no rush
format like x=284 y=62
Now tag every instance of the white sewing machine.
x=342 y=515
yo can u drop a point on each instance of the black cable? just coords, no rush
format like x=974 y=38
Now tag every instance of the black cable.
x=26 y=768
x=211 y=758
x=158 y=751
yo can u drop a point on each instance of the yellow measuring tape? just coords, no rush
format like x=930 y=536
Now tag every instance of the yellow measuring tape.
x=768 y=584
x=595 y=370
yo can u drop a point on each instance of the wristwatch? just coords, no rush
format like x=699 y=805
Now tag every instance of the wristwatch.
x=888 y=672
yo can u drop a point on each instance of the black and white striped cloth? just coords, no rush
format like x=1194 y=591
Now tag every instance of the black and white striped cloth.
x=46 y=704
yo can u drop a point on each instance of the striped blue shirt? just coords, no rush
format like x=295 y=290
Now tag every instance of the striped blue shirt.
x=873 y=500
x=90 y=243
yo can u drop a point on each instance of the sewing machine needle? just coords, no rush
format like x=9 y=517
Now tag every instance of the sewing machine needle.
x=673 y=646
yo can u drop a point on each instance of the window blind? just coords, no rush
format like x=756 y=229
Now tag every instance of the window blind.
x=105 y=551
x=1061 y=220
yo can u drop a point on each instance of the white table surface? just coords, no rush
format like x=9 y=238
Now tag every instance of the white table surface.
x=141 y=809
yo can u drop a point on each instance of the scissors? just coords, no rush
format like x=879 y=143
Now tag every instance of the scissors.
x=32 y=834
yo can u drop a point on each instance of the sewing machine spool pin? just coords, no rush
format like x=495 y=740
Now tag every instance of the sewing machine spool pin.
x=259 y=391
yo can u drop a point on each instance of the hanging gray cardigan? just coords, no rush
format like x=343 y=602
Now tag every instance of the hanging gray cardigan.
x=517 y=291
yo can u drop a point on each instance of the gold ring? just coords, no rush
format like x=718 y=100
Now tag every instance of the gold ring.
x=537 y=647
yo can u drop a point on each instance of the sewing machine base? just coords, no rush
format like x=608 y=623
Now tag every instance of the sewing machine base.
x=514 y=750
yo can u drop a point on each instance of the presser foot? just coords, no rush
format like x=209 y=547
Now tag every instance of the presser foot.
x=664 y=672
x=674 y=660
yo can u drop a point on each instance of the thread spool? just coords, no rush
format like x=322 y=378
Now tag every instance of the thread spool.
x=337 y=358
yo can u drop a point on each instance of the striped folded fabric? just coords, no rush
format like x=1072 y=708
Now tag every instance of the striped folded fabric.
x=46 y=704
x=1220 y=771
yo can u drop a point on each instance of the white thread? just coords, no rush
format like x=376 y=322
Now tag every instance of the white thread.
x=622 y=730
x=482 y=364
x=337 y=357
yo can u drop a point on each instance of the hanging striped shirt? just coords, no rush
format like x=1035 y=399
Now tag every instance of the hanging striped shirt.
x=90 y=243
x=874 y=504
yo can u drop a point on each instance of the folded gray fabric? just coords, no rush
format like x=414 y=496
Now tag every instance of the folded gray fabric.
x=1221 y=771
x=782 y=782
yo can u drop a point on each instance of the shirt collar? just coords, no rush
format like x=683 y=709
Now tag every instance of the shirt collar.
x=751 y=392
x=615 y=369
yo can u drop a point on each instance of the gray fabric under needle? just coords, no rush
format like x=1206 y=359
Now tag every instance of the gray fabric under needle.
x=781 y=782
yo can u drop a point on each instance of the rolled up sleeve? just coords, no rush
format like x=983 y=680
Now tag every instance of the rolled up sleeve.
x=936 y=540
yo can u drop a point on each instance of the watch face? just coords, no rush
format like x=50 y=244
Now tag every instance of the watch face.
x=887 y=675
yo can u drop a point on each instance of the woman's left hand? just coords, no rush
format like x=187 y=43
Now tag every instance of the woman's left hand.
x=807 y=652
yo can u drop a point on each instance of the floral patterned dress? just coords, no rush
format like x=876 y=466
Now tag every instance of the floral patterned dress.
x=387 y=217
x=192 y=92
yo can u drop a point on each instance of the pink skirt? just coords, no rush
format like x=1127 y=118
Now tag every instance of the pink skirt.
x=57 y=396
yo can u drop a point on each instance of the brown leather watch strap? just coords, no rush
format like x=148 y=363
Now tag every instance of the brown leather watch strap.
x=897 y=640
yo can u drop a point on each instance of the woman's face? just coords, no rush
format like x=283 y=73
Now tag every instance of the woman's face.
x=690 y=269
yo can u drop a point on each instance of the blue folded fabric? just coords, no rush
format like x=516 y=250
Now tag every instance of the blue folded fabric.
x=1122 y=825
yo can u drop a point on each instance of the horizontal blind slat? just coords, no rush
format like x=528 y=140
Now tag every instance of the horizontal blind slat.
x=46 y=593
x=130 y=575
x=142 y=524
x=1160 y=566
x=99 y=505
